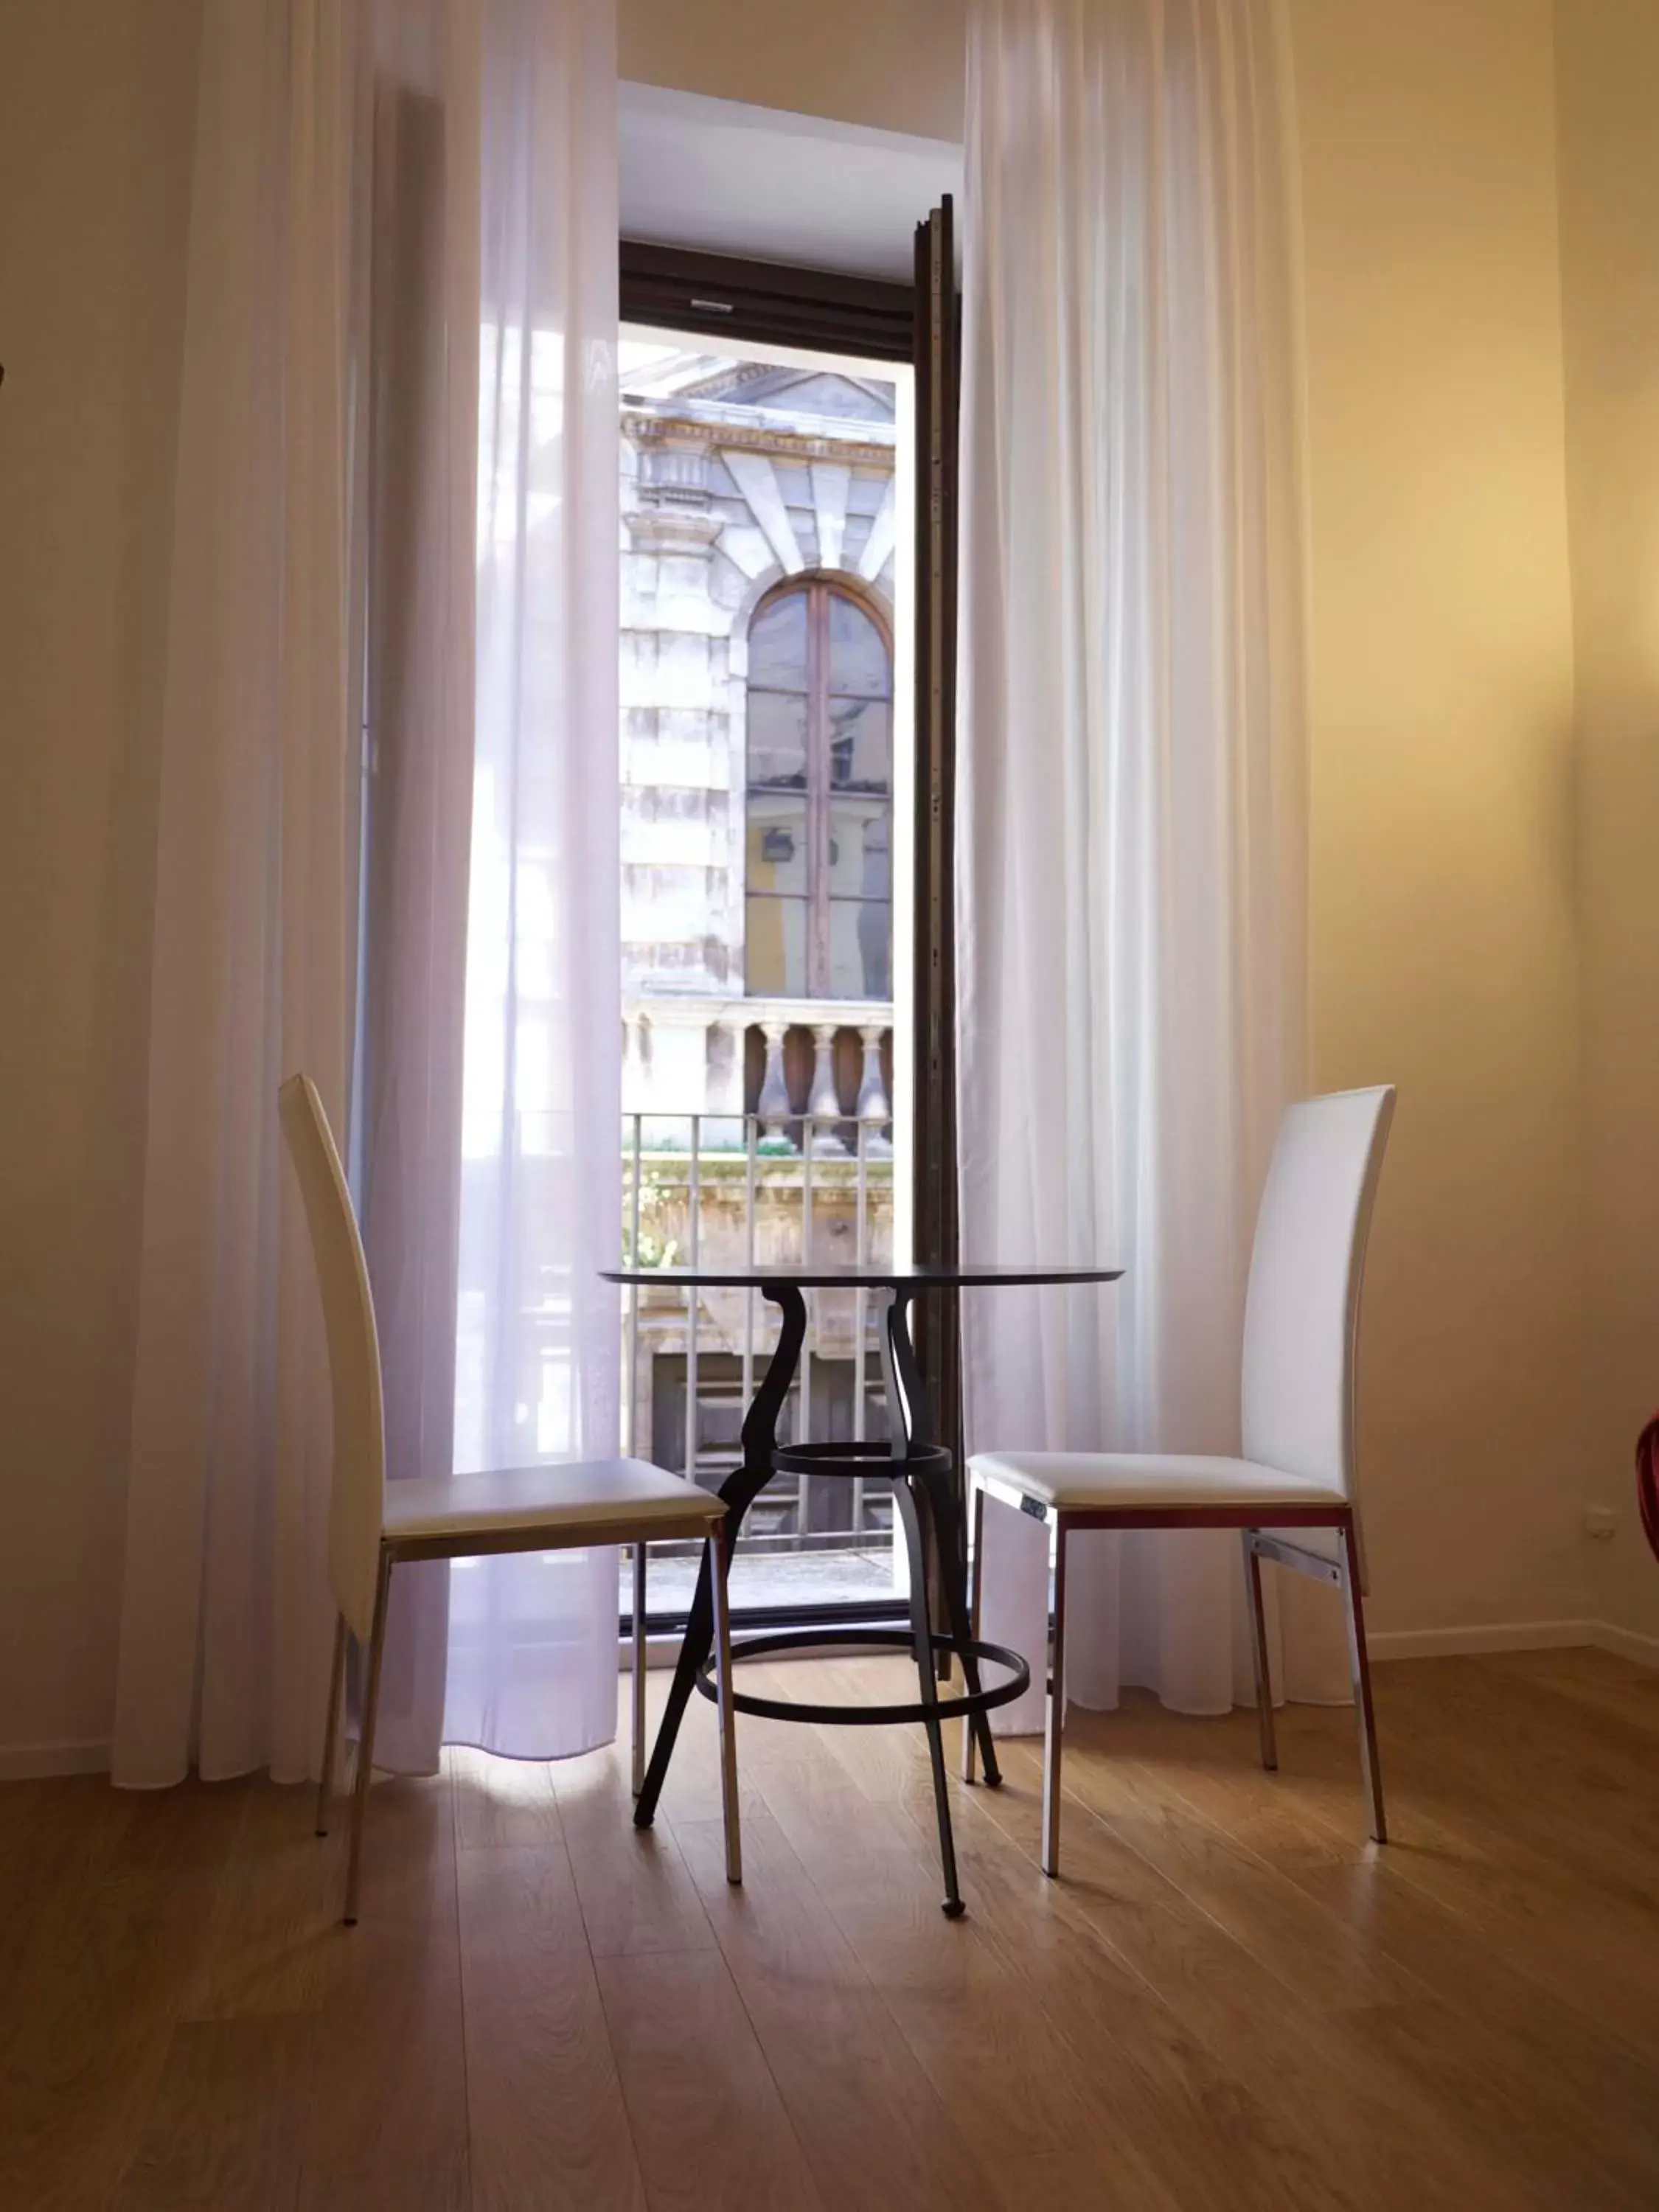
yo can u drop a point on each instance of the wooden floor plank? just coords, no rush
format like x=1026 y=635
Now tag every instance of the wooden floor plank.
x=1525 y=1773
x=111 y=1961
x=1008 y=2080
x=875 y=2133
x=1593 y=1948
x=501 y=1802
x=221 y=2134
x=1227 y=2140
x=636 y=1896
x=1386 y=2140
x=1588 y=1677
x=267 y=1947
x=1231 y=1998
x=385 y=2080
x=548 y=2130
x=709 y=2127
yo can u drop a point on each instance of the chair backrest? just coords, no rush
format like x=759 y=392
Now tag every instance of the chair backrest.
x=356 y=1505
x=1302 y=1311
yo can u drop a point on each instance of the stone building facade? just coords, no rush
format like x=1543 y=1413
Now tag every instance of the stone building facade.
x=757 y=506
x=738 y=477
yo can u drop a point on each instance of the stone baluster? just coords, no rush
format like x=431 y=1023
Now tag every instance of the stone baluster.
x=875 y=1110
x=723 y=1063
x=824 y=1106
x=773 y=1103
x=637 y=1066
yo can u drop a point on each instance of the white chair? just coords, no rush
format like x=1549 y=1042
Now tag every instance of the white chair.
x=372 y=1525
x=1301 y=1330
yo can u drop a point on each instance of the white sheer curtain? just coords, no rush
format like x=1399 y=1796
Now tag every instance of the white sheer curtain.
x=367 y=173
x=224 y=1625
x=532 y=1640
x=419 y=483
x=1133 y=829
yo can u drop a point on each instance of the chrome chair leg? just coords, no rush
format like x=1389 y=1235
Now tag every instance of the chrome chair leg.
x=1054 y=1712
x=975 y=1602
x=1359 y=1667
x=331 y=1726
x=1264 y=1687
x=639 y=1667
x=366 y=1741
x=728 y=1718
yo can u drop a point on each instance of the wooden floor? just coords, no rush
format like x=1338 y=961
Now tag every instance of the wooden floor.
x=1230 y=2000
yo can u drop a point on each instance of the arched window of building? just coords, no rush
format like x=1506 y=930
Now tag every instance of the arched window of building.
x=819 y=802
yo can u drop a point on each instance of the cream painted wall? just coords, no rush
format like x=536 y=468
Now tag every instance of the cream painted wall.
x=1608 y=64
x=1442 y=928
x=895 y=64
x=97 y=104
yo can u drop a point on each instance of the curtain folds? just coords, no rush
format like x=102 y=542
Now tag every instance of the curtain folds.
x=1133 y=812
x=380 y=860
x=533 y=1639
x=224 y=1622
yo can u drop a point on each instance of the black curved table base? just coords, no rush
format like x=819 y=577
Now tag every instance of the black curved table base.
x=863 y=1639
x=923 y=1495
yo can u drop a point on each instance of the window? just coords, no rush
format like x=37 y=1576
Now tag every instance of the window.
x=819 y=824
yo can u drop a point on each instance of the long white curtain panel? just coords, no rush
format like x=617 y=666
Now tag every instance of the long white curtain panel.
x=387 y=856
x=532 y=1640
x=1133 y=829
x=224 y=1623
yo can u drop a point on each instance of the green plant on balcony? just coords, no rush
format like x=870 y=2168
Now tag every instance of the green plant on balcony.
x=651 y=1246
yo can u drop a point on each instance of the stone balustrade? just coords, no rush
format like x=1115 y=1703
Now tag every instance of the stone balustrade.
x=788 y=1060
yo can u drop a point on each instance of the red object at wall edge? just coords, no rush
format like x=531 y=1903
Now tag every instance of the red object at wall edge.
x=1647 y=1482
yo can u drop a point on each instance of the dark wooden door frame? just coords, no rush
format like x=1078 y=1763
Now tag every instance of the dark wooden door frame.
x=934 y=1227
x=719 y=296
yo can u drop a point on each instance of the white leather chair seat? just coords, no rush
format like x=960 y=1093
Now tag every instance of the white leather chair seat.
x=610 y=1491
x=1137 y=1480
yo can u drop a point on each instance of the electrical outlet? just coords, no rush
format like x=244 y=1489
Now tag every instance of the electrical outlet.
x=1601 y=1524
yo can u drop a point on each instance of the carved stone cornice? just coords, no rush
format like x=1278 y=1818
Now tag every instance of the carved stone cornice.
x=673 y=529
x=739 y=433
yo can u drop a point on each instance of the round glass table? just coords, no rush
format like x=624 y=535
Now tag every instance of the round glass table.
x=925 y=1495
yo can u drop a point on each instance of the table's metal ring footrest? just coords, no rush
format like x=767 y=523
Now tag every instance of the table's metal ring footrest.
x=865 y=1639
x=859 y=1460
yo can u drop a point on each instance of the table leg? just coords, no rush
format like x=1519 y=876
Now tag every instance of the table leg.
x=945 y=1518
x=904 y=1507
x=953 y=1573
x=739 y=1491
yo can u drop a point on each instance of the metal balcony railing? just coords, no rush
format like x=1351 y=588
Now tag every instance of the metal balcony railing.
x=746 y=1190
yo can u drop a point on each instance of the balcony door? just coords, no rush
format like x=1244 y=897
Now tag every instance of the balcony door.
x=786 y=868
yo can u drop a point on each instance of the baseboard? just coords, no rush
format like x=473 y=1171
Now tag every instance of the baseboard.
x=1494 y=1635
x=1644 y=1650
x=35 y=1762
x=1514 y=1635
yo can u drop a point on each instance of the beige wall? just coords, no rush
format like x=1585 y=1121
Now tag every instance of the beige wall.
x=96 y=118
x=1607 y=61
x=895 y=65
x=1442 y=922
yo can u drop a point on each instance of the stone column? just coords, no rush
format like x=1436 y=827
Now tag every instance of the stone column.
x=825 y=1105
x=773 y=1103
x=875 y=1110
